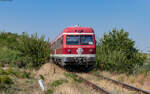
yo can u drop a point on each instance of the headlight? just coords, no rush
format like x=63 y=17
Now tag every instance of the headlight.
x=69 y=50
x=91 y=50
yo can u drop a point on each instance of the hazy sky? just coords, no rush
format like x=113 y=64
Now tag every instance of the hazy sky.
x=49 y=17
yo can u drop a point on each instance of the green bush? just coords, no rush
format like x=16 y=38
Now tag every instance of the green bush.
x=36 y=51
x=8 y=56
x=8 y=48
x=116 y=53
x=9 y=40
x=23 y=50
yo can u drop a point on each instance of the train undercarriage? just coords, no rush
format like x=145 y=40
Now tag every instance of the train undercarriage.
x=76 y=63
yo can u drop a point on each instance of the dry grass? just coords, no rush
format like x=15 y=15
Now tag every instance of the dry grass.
x=148 y=55
x=74 y=88
x=22 y=86
x=51 y=73
x=112 y=88
x=141 y=81
x=52 y=76
x=71 y=87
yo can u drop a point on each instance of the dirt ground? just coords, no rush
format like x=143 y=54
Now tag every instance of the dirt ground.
x=56 y=82
x=52 y=73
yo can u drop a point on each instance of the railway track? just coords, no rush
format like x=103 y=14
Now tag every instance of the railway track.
x=101 y=90
x=88 y=83
x=94 y=86
x=124 y=85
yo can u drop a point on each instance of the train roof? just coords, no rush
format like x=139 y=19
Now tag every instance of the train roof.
x=78 y=30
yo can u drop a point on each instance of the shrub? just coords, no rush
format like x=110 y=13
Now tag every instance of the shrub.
x=116 y=53
x=36 y=51
x=8 y=56
x=23 y=50
x=9 y=40
x=8 y=48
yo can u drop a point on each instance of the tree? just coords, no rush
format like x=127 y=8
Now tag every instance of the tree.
x=116 y=52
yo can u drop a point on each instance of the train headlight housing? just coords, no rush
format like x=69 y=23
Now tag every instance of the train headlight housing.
x=91 y=50
x=69 y=51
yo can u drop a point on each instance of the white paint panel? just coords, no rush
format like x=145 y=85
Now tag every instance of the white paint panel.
x=74 y=55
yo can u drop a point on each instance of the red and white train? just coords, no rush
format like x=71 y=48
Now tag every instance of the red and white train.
x=74 y=46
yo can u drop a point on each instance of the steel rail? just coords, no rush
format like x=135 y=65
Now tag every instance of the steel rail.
x=124 y=85
x=97 y=88
x=90 y=84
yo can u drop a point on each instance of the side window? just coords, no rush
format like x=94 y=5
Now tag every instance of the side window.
x=57 y=46
x=58 y=43
x=61 y=41
x=54 y=45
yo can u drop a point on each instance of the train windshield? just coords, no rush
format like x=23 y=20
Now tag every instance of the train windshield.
x=79 y=40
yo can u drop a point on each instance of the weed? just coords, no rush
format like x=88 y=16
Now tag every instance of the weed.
x=42 y=77
x=25 y=75
x=5 y=80
x=58 y=82
x=49 y=91
x=73 y=77
x=55 y=84
x=121 y=78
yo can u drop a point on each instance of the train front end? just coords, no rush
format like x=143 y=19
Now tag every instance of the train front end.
x=79 y=46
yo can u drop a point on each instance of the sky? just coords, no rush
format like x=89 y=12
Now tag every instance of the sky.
x=50 y=17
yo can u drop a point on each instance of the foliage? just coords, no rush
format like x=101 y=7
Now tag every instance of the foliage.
x=143 y=69
x=9 y=52
x=116 y=53
x=9 y=40
x=35 y=50
x=23 y=50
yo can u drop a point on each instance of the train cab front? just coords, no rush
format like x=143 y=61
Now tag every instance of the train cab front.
x=79 y=49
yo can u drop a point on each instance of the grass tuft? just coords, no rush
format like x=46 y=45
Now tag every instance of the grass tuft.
x=55 y=84
x=73 y=77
